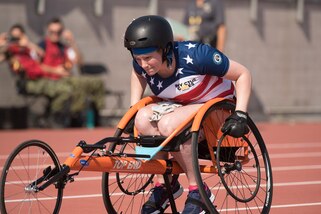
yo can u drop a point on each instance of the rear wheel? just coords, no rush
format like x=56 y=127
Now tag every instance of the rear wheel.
x=244 y=180
x=27 y=167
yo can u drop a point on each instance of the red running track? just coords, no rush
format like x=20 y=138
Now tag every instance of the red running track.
x=295 y=152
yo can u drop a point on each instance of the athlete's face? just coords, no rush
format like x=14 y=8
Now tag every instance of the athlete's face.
x=151 y=62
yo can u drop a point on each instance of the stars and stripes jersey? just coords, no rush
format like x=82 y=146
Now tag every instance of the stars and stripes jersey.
x=197 y=77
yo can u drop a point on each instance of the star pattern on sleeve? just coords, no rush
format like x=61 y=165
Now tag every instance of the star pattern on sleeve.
x=190 y=45
x=152 y=81
x=144 y=74
x=159 y=85
x=179 y=71
x=188 y=59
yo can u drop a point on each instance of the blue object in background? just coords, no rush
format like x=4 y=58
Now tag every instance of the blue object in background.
x=90 y=116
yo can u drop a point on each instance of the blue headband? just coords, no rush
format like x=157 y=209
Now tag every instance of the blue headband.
x=139 y=51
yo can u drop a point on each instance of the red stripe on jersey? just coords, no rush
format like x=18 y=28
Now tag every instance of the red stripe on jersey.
x=218 y=82
x=228 y=92
x=186 y=98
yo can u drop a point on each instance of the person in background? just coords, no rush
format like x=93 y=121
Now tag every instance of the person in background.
x=46 y=70
x=61 y=57
x=20 y=52
x=61 y=52
x=206 y=22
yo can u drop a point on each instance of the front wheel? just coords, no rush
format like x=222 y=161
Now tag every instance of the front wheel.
x=27 y=167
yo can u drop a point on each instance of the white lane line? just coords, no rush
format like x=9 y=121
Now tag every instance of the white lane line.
x=299 y=183
x=293 y=145
x=54 y=198
x=185 y=190
x=98 y=178
x=296 y=205
x=274 y=206
x=33 y=155
x=294 y=168
x=295 y=155
x=39 y=167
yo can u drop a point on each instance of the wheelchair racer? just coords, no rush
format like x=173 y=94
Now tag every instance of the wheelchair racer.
x=185 y=75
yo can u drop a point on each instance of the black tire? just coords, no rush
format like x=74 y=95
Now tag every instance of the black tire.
x=232 y=188
x=122 y=191
x=23 y=166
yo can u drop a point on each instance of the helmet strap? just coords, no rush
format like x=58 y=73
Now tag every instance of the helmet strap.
x=131 y=53
x=168 y=54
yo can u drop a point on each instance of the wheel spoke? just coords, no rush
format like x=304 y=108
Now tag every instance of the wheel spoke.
x=241 y=187
x=23 y=164
x=22 y=197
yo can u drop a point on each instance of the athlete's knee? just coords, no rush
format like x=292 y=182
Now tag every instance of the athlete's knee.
x=142 y=120
x=165 y=126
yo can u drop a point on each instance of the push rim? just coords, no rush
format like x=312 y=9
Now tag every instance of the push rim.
x=224 y=202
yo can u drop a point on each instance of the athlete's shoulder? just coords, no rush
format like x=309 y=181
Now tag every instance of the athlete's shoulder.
x=203 y=58
x=186 y=46
x=194 y=49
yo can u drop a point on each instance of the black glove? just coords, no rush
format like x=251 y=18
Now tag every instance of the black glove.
x=236 y=124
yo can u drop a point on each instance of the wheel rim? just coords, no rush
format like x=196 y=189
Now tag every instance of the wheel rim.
x=23 y=167
x=260 y=200
x=241 y=180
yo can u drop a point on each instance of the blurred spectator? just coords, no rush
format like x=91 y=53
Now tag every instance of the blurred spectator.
x=20 y=52
x=205 y=20
x=61 y=51
x=70 y=95
x=61 y=54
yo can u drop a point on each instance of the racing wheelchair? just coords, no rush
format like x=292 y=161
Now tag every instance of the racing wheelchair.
x=237 y=170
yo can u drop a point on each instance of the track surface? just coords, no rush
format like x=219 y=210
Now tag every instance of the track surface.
x=294 y=149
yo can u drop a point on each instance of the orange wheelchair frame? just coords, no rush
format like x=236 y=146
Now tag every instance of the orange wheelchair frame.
x=132 y=164
x=142 y=160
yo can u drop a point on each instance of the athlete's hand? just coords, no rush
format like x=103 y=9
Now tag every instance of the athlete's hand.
x=236 y=124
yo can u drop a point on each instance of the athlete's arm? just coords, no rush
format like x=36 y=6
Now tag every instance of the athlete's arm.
x=138 y=85
x=243 y=84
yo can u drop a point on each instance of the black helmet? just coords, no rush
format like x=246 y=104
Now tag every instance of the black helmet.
x=148 y=31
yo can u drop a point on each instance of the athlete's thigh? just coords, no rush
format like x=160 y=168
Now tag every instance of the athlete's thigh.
x=169 y=122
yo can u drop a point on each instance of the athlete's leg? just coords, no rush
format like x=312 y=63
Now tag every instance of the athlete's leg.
x=168 y=124
x=146 y=127
x=165 y=126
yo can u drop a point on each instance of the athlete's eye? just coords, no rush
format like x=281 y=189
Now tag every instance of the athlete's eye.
x=147 y=58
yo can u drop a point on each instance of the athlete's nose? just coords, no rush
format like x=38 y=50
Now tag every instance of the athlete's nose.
x=144 y=64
